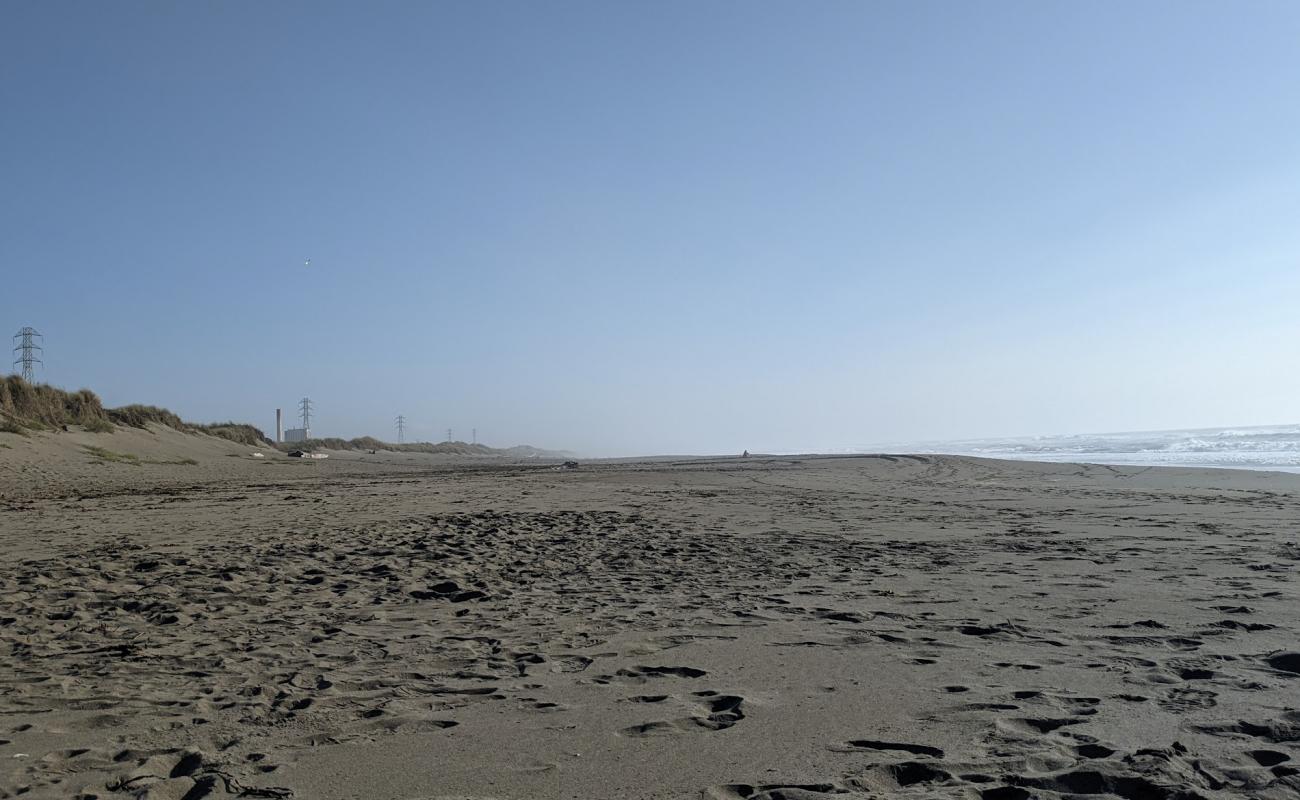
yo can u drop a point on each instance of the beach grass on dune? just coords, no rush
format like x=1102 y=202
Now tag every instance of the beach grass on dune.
x=105 y=454
x=28 y=406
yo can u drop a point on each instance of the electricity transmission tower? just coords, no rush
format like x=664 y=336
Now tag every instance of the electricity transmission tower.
x=401 y=429
x=449 y=434
x=304 y=413
x=473 y=435
x=28 y=351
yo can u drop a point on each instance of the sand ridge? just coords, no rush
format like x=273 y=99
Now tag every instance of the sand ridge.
x=765 y=628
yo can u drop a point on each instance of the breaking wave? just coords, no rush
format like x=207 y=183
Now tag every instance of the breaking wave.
x=1275 y=447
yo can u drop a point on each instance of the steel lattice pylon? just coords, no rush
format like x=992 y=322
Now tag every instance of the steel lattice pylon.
x=28 y=351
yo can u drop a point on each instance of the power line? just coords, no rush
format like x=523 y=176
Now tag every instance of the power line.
x=27 y=350
x=401 y=429
x=304 y=413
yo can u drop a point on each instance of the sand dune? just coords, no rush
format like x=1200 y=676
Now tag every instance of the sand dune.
x=883 y=627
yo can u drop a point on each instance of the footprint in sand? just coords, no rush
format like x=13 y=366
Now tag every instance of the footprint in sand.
x=903 y=747
x=712 y=712
x=642 y=674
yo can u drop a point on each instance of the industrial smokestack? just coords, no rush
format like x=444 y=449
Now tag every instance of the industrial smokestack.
x=279 y=426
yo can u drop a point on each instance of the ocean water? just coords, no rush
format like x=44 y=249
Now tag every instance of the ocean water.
x=1269 y=447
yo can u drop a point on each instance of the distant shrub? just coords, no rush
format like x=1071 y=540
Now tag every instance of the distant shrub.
x=371 y=443
x=139 y=416
x=239 y=432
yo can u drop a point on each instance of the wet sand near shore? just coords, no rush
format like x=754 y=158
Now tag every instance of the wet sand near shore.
x=837 y=627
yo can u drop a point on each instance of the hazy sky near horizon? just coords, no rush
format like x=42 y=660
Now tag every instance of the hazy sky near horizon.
x=661 y=227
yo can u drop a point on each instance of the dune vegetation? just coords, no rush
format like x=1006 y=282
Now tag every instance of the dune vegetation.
x=39 y=406
x=27 y=406
x=371 y=443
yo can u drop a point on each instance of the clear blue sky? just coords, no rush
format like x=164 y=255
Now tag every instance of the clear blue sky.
x=631 y=227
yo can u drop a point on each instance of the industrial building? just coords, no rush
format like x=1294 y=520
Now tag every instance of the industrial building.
x=294 y=434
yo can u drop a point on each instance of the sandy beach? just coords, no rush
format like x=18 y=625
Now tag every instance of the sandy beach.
x=350 y=346
x=853 y=627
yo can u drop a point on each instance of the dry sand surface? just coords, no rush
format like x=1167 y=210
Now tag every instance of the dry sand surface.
x=887 y=627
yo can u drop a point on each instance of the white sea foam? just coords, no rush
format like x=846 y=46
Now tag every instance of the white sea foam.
x=1272 y=447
